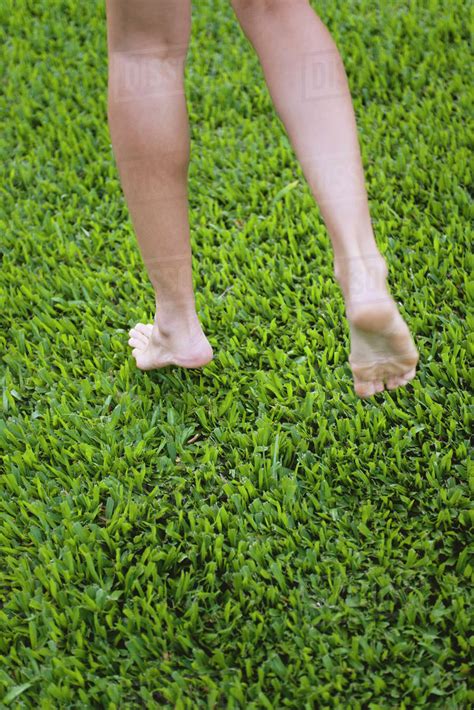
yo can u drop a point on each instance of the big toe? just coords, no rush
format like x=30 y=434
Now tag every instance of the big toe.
x=147 y=359
x=395 y=382
x=401 y=381
x=409 y=375
x=364 y=388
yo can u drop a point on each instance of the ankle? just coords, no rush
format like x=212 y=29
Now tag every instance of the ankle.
x=177 y=317
x=362 y=276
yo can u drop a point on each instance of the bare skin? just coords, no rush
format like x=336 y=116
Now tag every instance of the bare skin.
x=147 y=46
x=382 y=350
x=304 y=72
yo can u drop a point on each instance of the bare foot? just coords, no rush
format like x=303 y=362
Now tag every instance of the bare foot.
x=383 y=353
x=154 y=347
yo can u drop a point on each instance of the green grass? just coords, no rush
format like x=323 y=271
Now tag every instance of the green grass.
x=250 y=535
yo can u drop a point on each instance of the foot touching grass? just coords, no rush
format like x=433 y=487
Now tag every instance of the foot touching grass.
x=154 y=347
x=383 y=353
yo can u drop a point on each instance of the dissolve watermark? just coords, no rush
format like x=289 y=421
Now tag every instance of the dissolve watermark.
x=366 y=275
x=147 y=179
x=336 y=179
x=323 y=76
x=171 y=277
x=147 y=73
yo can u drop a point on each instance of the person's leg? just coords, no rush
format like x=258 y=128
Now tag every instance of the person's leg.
x=308 y=85
x=147 y=47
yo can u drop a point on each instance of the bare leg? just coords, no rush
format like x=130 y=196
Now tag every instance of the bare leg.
x=147 y=46
x=308 y=85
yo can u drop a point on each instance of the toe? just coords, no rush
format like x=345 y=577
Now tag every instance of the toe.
x=137 y=335
x=364 y=388
x=137 y=343
x=407 y=376
x=394 y=382
x=378 y=386
x=144 y=328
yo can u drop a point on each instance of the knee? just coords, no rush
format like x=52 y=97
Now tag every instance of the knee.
x=148 y=42
x=243 y=8
x=161 y=25
x=255 y=5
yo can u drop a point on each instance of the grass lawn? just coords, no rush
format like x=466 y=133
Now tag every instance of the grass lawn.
x=249 y=535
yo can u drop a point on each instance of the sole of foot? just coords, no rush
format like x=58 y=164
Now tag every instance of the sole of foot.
x=152 y=350
x=383 y=354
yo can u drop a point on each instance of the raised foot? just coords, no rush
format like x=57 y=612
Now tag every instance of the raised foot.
x=153 y=350
x=383 y=353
